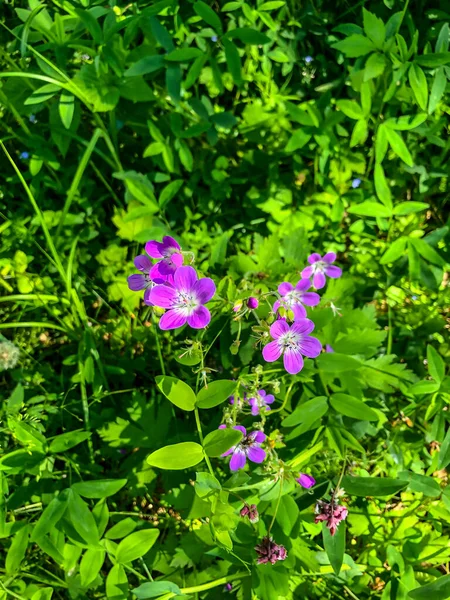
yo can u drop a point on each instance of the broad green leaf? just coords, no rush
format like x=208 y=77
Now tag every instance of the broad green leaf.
x=161 y=34
x=350 y=108
x=15 y=401
x=408 y=208
x=437 y=590
x=136 y=545
x=334 y=545
x=17 y=550
x=366 y=98
x=382 y=187
x=333 y=362
x=381 y=144
x=145 y=65
x=427 y=252
x=424 y=387
x=248 y=36
x=375 y=66
x=413 y=261
x=219 y=441
x=443 y=41
x=206 y=484
x=183 y=54
x=177 y=456
x=335 y=440
x=287 y=514
x=91 y=24
x=352 y=407
x=117 y=584
x=216 y=393
x=19 y=461
x=422 y=484
x=312 y=409
x=155 y=589
x=66 y=108
x=436 y=364
x=62 y=443
x=208 y=15
x=373 y=486
x=81 y=518
x=90 y=565
x=173 y=84
x=444 y=453
x=359 y=133
x=50 y=517
x=370 y=209
x=178 y=392
x=354 y=46
x=101 y=488
x=298 y=139
x=233 y=60
x=418 y=83
x=398 y=146
x=406 y=122
x=433 y=60
x=43 y=94
x=299 y=115
x=121 y=529
x=272 y=5
x=394 y=252
x=374 y=28
x=169 y=192
x=437 y=89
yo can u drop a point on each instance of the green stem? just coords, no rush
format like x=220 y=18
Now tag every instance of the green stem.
x=211 y=584
x=276 y=507
x=389 y=343
x=280 y=408
x=200 y=435
x=158 y=349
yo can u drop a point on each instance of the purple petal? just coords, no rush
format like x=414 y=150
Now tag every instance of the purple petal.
x=204 y=289
x=231 y=450
x=238 y=460
x=252 y=401
x=143 y=263
x=241 y=428
x=329 y=257
x=299 y=311
x=328 y=348
x=258 y=436
x=307 y=272
x=154 y=249
x=319 y=280
x=137 y=282
x=293 y=361
x=169 y=242
x=310 y=298
x=256 y=455
x=269 y=399
x=276 y=306
x=303 y=284
x=185 y=278
x=147 y=300
x=162 y=296
x=310 y=347
x=278 y=328
x=161 y=271
x=285 y=287
x=262 y=393
x=200 y=318
x=223 y=426
x=176 y=260
x=313 y=258
x=306 y=481
x=172 y=319
x=303 y=326
x=271 y=352
x=255 y=410
x=333 y=272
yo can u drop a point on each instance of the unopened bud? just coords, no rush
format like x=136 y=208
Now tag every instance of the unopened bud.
x=234 y=348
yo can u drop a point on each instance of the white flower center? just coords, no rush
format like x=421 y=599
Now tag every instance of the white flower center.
x=319 y=266
x=187 y=302
x=290 y=341
x=292 y=298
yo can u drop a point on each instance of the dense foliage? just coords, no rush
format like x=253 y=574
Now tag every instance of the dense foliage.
x=251 y=145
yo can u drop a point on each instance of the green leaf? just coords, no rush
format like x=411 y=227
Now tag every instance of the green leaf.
x=437 y=590
x=433 y=60
x=375 y=66
x=169 y=192
x=406 y=122
x=15 y=401
x=91 y=24
x=398 y=146
x=161 y=34
x=334 y=545
x=350 y=108
x=427 y=252
x=444 y=453
x=233 y=61
x=437 y=89
x=208 y=15
x=17 y=550
x=42 y=94
x=370 y=209
x=422 y=484
x=436 y=364
x=117 y=584
x=381 y=186
x=299 y=139
x=408 y=208
x=52 y=514
x=216 y=393
x=206 y=484
x=413 y=261
x=418 y=83
x=381 y=144
x=374 y=28
x=308 y=411
x=424 y=387
x=219 y=441
x=66 y=108
x=101 y=488
x=62 y=443
x=373 y=486
x=145 y=65
x=177 y=456
x=248 y=36
x=136 y=545
x=90 y=565
x=121 y=529
x=333 y=362
x=287 y=514
x=352 y=407
x=354 y=46
x=155 y=589
x=173 y=82
x=359 y=133
x=183 y=54
x=178 y=392
x=82 y=519
x=394 y=252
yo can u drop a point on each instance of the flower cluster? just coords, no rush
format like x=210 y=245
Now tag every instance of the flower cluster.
x=170 y=285
x=268 y=551
x=251 y=512
x=330 y=512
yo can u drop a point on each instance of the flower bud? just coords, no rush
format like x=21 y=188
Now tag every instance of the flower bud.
x=234 y=348
x=306 y=481
x=237 y=305
x=252 y=303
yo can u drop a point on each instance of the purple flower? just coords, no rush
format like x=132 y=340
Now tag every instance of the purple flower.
x=184 y=299
x=308 y=59
x=228 y=587
x=261 y=402
x=294 y=298
x=328 y=348
x=306 y=481
x=251 y=512
x=143 y=280
x=331 y=513
x=24 y=155
x=321 y=267
x=214 y=38
x=169 y=251
x=356 y=183
x=292 y=342
x=252 y=303
x=249 y=447
x=269 y=551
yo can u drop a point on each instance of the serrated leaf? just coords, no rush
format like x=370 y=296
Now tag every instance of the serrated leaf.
x=374 y=28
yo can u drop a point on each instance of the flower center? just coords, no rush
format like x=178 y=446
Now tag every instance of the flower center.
x=187 y=301
x=319 y=266
x=292 y=298
x=289 y=341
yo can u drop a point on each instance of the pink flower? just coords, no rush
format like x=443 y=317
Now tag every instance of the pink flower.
x=331 y=513
x=144 y=280
x=261 y=402
x=251 y=512
x=252 y=303
x=269 y=551
x=321 y=267
x=306 y=481
x=169 y=253
x=294 y=298
x=249 y=447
